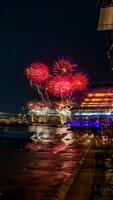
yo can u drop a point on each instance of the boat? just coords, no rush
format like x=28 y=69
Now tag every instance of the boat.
x=77 y=124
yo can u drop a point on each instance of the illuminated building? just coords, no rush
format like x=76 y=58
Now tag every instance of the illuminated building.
x=12 y=118
x=98 y=101
x=42 y=112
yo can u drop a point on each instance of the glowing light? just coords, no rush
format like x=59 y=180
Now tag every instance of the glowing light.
x=100 y=94
x=39 y=108
x=36 y=105
x=60 y=86
x=96 y=103
x=93 y=113
x=34 y=147
x=97 y=99
x=80 y=81
x=59 y=147
x=64 y=66
x=64 y=111
x=37 y=73
x=63 y=104
x=93 y=105
x=83 y=123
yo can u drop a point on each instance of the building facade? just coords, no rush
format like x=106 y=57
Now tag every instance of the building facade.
x=105 y=24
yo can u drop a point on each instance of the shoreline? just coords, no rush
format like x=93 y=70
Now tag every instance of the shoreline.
x=64 y=189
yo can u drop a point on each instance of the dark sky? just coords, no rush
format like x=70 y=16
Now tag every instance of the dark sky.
x=43 y=30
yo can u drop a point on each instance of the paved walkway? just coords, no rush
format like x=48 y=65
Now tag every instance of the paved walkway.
x=81 y=189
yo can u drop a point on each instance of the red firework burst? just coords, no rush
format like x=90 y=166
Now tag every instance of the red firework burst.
x=37 y=73
x=60 y=86
x=80 y=81
x=63 y=66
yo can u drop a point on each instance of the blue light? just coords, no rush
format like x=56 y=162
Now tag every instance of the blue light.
x=83 y=123
x=93 y=114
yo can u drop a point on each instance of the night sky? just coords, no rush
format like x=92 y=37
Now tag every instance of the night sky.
x=43 y=30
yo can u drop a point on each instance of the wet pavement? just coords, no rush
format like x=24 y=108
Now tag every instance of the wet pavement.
x=81 y=189
x=95 y=181
x=36 y=169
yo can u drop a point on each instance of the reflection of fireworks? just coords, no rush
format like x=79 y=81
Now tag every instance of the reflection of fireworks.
x=63 y=176
x=34 y=147
x=60 y=86
x=37 y=73
x=64 y=66
x=80 y=81
x=59 y=147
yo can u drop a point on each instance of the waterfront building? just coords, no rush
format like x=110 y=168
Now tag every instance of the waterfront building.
x=96 y=102
x=12 y=117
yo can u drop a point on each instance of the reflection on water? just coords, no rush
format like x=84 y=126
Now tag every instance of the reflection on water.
x=37 y=169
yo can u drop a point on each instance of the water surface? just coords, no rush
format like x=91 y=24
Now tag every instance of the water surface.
x=35 y=169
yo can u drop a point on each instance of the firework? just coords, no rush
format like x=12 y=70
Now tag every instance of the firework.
x=62 y=83
x=80 y=81
x=64 y=66
x=39 y=108
x=36 y=105
x=64 y=104
x=60 y=86
x=37 y=73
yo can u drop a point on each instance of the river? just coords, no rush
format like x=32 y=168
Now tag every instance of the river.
x=36 y=168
